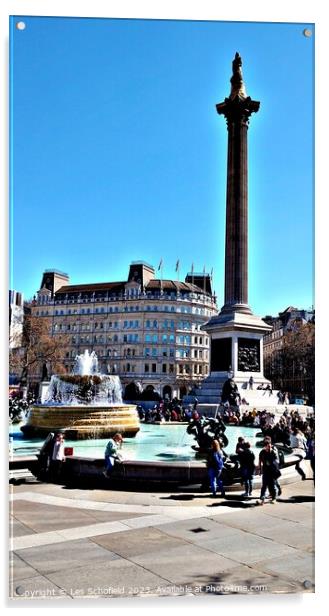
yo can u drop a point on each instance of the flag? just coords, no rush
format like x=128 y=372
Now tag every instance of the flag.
x=177 y=266
x=160 y=264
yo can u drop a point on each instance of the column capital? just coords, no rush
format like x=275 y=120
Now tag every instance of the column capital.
x=237 y=108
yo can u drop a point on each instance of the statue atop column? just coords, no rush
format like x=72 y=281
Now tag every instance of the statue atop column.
x=237 y=83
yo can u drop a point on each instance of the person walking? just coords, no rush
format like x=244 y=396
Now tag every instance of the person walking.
x=299 y=447
x=215 y=463
x=112 y=455
x=247 y=464
x=269 y=469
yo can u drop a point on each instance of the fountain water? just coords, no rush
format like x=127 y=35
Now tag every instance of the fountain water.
x=83 y=404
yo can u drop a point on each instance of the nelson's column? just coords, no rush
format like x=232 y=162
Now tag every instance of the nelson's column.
x=236 y=333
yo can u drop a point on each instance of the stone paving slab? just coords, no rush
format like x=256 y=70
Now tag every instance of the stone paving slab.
x=19 y=568
x=196 y=531
x=116 y=578
x=37 y=587
x=294 y=534
x=297 y=566
x=142 y=541
x=44 y=518
x=18 y=529
x=73 y=555
x=247 y=549
x=244 y=580
x=183 y=564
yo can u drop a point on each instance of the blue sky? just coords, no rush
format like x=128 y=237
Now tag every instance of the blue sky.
x=118 y=153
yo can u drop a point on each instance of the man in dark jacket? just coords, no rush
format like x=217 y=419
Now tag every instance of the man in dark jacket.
x=269 y=469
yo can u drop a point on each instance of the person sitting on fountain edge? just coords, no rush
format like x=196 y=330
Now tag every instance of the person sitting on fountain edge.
x=112 y=456
x=57 y=456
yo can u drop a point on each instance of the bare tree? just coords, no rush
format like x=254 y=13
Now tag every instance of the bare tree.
x=40 y=350
x=299 y=359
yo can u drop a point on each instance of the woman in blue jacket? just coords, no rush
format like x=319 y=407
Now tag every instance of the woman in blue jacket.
x=215 y=463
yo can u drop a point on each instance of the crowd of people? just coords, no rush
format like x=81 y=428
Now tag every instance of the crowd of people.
x=167 y=411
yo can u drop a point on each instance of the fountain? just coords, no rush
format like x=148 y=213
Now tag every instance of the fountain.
x=85 y=404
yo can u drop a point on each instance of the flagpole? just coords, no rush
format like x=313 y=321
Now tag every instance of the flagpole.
x=177 y=268
x=161 y=281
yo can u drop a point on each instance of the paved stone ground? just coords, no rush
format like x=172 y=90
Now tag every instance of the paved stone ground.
x=74 y=543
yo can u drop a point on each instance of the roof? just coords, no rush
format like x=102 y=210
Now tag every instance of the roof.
x=152 y=285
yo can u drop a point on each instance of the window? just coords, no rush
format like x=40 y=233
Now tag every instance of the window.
x=171 y=368
x=147 y=337
x=146 y=368
x=154 y=367
x=155 y=338
x=164 y=368
x=147 y=352
x=154 y=352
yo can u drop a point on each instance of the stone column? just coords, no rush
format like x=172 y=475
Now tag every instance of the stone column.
x=237 y=109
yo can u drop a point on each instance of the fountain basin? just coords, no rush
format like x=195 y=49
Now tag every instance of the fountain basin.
x=82 y=421
x=89 y=471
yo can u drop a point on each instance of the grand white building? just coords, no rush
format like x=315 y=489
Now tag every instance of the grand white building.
x=146 y=330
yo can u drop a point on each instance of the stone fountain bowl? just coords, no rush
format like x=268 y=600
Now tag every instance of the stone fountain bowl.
x=82 y=421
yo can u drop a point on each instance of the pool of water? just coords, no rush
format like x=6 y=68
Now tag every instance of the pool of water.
x=152 y=443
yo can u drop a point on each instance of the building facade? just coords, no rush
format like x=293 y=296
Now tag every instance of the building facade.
x=288 y=358
x=145 y=330
x=16 y=318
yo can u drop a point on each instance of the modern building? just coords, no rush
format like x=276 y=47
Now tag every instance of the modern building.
x=145 y=329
